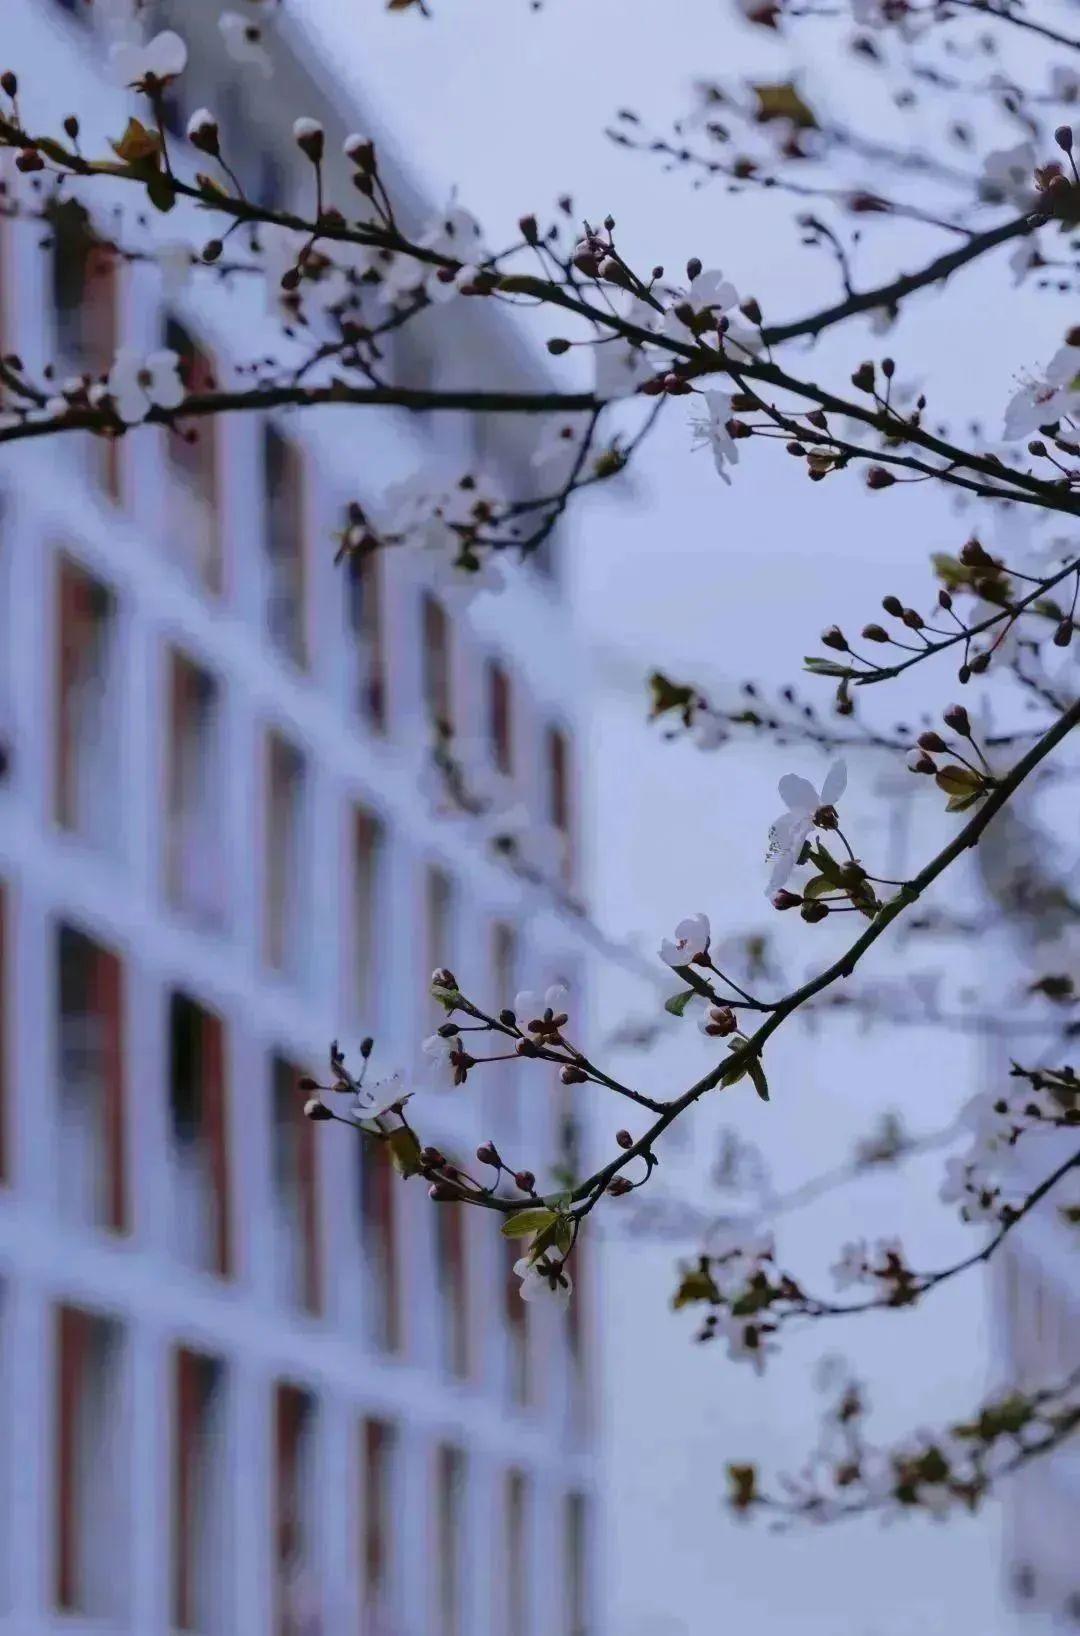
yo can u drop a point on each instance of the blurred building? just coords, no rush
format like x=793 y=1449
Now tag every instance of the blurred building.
x=249 y=1382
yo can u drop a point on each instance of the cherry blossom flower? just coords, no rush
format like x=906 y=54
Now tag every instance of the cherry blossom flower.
x=151 y=66
x=852 y=1265
x=620 y=366
x=1040 y=402
x=708 y=296
x=691 y=940
x=792 y=829
x=1008 y=174
x=970 y=1186
x=711 y=431
x=544 y=1281
x=138 y=384
x=448 y=1062
x=530 y=1007
x=244 y=40
x=454 y=233
x=376 y=1105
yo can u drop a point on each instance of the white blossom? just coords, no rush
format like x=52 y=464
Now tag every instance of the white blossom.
x=1042 y=401
x=970 y=1185
x=711 y=431
x=620 y=366
x=691 y=939
x=709 y=295
x=852 y=1265
x=792 y=828
x=444 y=1060
x=530 y=1006
x=456 y=234
x=748 y=1340
x=544 y=1281
x=375 y=1104
x=245 y=43
x=155 y=63
x=138 y=384
x=1007 y=174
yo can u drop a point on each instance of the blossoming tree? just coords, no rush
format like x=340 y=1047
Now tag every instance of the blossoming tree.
x=350 y=270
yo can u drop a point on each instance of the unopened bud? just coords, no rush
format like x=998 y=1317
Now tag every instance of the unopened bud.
x=785 y=899
x=750 y=309
x=944 y=600
x=956 y=717
x=530 y=230
x=557 y=346
x=833 y=637
x=878 y=478
x=912 y=619
x=932 y=741
x=314 y=1108
x=432 y=1158
x=306 y=1083
x=814 y=910
x=892 y=605
x=1037 y=447
x=71 y=127
x=618 y=1185
x=310 y=138
x=1063 y=136
x=360 y=151
x=442 y=1192
x=875 y=633
x=863 y=377
x=507 y=1017
x=919 y=762
x=212 y=249
x=720 y=1021
x=624 y=1138
x=202 y=132
x=367 y=1045
x=9 y=83
x=486 y=1154
x=570 y=1075
x=525 y=1180
x=1064 y=634
x=443 y=977
x=693 y=268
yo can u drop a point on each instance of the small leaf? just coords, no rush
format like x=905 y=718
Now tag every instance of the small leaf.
x=696 y=1285
x=782 y=101
x=404 y=1151
x=827 y=667
x=667 y=695
x=678 y=1003
x=528 y=1221
x=757 y=1074
x=816 y=887
x=160 y=192
x=137 y=145
x=733 y=1075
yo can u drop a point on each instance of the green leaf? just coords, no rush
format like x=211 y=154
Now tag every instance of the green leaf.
x=816 y=887
x=956 y=780
x=733 y=1076
x=160 y=192
x=404 y=1151
x=827 y=667
x=678 y=1003
x=138 y=146
x=757 y=1074
x=696 y=1285
x=828 y=865
x=782 y=101
x=667 y=695
x=448 y=998
x=528 y=1221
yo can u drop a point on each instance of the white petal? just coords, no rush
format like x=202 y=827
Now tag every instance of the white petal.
x=781 y=871
x=671 y=954
x=835 y=784
x=798 y=793
x=166 y=55
x=166 y=387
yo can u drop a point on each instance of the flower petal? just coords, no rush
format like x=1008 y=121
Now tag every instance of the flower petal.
x=835 y=783
x=798 y=793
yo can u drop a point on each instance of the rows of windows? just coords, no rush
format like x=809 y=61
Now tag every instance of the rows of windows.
x=479 y=1541
x=406 y=1277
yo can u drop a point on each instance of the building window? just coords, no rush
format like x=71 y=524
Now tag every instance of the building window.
x=514 y=1614
x=364 y=605
x=194 y=785
x=297 y=1267
x=500 y=717
x=435 y=660
x=198 y=1137
x=296 y=1567
x=516 y=1316
x=378 y=1243
x=85 y=302
x=190 y=514
x=378 y=1451
x=91 y=1536
x=284 y=548
x=364 y=928
x=87 y=736
x=438 y=933
x=559 y=798
x=286 y=778
x=503 y=1080
x=451 y=1289
x=449 y=1540
x=199 y=1502
x=577 y=1554
x=90 y=1072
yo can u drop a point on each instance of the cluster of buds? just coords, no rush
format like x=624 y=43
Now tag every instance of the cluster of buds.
x=963 y=781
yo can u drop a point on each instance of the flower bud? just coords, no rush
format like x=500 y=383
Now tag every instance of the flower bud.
x=972 y=555
x=932 y=741
x=751 y=309
x=310 y=138
x=944 y=600
x=314 y=1108
x=443 y=977
x=71 y=127
x=306 y=1083
x=212 y=249
x=486 y=1154
x=1063 y=136
x=980 y=663
x=785 y=899
x=1064 y=634
x=693 y=268
x=202 y=132
x=878 y=478
x=530 y=229
x=525 y=1180
x=1037 y=447
x=833 y=637
x=875 y=633
x=618 y=1185
x=624 y=1138
x=863 y=377
x=888 y=368
x=442 y=1192
x=956 y=717
x=447 y=1030
x=9 y=84
x=919 y=762
x=719 y=1021
x=360 y=151
x=1072 y=336
x=367 y=1045
x=28 y=160
x=892 y=605
x=507 y=1017
x=814 y=910
x=432 y=1158
x=569 y=1075
x=557 y=346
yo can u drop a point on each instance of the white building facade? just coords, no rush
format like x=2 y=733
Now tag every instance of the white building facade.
x=249 y=1381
